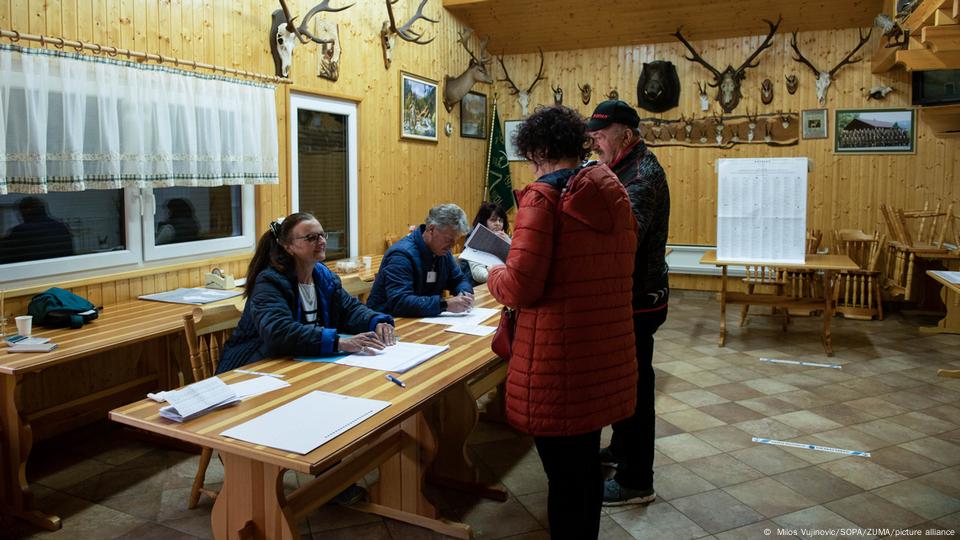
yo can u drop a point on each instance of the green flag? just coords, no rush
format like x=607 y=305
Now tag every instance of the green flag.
x=499 y=188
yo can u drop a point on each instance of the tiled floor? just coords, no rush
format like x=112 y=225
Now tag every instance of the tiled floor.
x=712 y=480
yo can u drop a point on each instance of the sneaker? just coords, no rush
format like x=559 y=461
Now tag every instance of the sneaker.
x=616 y=495
x=352 y=495
x=607 y=459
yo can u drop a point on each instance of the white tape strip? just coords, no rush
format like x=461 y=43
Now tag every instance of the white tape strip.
x=812 y=447
x=799 y=363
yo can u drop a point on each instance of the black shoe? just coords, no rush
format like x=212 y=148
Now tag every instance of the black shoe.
x=616 y=495
x=352 y=495
x=607 y=459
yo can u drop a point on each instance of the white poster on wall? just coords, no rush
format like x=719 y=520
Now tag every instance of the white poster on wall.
x=762 y=210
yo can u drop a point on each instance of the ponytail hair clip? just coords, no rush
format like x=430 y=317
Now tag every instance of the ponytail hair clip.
x=275 y=227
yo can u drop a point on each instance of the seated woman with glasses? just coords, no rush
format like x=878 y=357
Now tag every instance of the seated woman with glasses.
x=493 y=217
x=296 y=305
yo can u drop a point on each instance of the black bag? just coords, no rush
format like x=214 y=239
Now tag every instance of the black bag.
x=56 y=307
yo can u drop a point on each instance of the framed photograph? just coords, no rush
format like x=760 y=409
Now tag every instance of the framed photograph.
x=510 y=128
x=813 y=124
x=874 y=131
x=473 y=116
x=418 y=108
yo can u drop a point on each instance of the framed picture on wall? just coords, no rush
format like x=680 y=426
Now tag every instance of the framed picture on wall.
x=813 y=124
x=473 y=116
x=418 y=107
x=874 y=131
x=510 y=128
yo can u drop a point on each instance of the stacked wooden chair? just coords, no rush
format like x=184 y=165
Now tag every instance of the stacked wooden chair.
x=931 y=228
x=207 y=330
x=857 y=292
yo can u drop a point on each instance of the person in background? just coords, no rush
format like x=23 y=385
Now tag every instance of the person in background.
x=617 y=143
x=38 y=236
x=568 y=275
x=418 y=268
x=181 y=224
x=494 y=218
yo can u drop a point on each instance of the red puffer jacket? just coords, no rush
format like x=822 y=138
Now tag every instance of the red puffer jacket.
x=569 y=274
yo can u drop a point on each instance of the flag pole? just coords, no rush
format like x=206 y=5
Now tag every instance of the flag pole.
x=486 y=176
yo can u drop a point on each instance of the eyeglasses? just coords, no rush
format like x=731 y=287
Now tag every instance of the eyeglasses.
x=313 y=238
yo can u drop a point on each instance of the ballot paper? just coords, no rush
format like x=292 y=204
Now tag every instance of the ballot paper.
x=197 y=399
x=485 y=247
x=473 y=317
x=472 y=329
x=256 y=386
x=306 y=422
x=395 y=358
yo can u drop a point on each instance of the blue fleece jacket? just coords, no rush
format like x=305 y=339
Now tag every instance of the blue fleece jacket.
x=273 y=324
x=401 y=288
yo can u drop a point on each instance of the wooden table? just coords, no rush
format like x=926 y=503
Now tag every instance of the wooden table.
x=426 y=424
x=360 y=283
x=827 y=264
x=950 y=324
x=119 y=326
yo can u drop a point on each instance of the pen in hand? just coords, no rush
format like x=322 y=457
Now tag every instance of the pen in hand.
x=396 y=381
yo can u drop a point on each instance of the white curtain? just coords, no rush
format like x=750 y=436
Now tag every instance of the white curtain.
x=71 y=122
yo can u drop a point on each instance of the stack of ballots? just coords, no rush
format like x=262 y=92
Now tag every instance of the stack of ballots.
x=198 y=399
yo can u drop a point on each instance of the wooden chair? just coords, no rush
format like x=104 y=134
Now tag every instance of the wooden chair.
x=207 y=329
x=796 y=284
x=905 y=243
x=857 y=292
x=765 y=276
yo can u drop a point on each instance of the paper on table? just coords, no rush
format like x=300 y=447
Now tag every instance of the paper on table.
x=475 y=316
x=199 y=397
x=31 y=347
x=472 y=329
x=297 y=426
x=952 y=277
x=257 y=386
x=198 y=295
x=396 y=358
x=762 y=209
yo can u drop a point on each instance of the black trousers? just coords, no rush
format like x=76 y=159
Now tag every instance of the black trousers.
x=575 y=485
x=632 y=440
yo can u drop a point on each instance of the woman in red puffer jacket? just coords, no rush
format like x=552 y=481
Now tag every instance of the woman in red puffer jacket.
x=569 y=275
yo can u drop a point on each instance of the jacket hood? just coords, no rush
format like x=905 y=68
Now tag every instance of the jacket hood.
x=593 y=199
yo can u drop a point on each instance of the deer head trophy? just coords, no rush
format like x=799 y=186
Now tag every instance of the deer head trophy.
x=586 y=91
x=728 y=82
x=454 y=88
x=824 y=78
x=557 y=95
x=404 y=32
x=704 y=99
x=751 y=124
x=523 y=96
x=613 y=94
x=766 y=91
x=285 y=34
x=718 y=127
x=687 y=125
x=792 y=84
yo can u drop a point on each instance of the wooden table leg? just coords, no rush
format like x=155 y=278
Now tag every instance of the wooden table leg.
x=455 y=419
x=723 y=306
x=827 y=311
x=251 y=503
x=16 y=499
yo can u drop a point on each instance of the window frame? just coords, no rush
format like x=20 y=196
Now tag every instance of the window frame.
x=314 y=102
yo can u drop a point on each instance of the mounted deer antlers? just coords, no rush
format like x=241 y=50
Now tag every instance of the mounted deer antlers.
x=728 y=81
x=523 y=96
x=824 y=78
x=585 y=92
x=390 y=29
x=286 y=33
x=454 y=88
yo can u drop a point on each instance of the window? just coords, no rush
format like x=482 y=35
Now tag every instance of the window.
x=195 y=220
x=324 y=168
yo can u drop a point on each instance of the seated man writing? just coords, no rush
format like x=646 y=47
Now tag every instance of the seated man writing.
x=417 y=269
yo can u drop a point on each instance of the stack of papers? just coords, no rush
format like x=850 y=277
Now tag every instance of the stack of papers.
x=198 y=399
x=243 y=389
x=467 y=322
x=307 y=422
x=20 y=343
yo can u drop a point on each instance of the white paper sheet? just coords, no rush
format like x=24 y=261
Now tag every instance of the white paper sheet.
x=396 y=358
x=257 y=386
x=952 y=277
x=196 y=296
x=307 y=422
x=472 y=329
x=762 y=209
x=197 y=398
x=473 y=317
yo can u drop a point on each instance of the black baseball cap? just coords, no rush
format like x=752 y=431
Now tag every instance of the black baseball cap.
x=613 y=111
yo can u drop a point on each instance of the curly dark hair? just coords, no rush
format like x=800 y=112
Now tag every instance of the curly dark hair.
x=489 y=209
x=552 y=134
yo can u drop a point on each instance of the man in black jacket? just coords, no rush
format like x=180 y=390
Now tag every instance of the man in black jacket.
x=617 y=143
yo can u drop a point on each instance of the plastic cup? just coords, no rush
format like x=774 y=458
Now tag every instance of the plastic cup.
x=24 y=325
x=367 y=262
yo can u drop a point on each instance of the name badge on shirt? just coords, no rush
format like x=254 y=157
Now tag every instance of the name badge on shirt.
x=431 y=277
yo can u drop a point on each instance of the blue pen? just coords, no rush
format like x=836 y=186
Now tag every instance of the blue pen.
x=396 y=381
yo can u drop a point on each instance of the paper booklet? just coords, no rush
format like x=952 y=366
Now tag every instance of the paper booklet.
x=485 y=247
x=41 y=345
x=198 y=399
x=306 y=422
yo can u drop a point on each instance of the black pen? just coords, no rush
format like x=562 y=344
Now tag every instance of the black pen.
x=396 y=381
